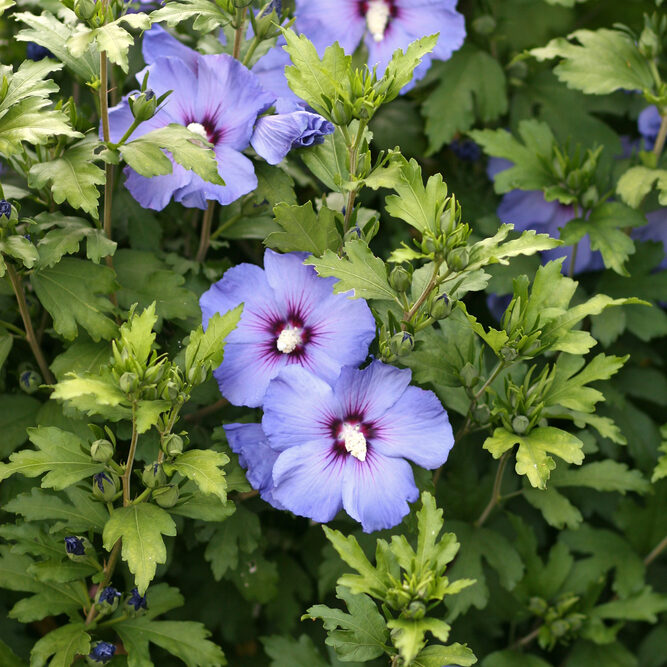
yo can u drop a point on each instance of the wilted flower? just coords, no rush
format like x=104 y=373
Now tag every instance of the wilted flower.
x=5 y=208
x=383 y=25
x=109 y=595
x=530 y=210
x=345 y=444
x=102 y=652
x=36 y=52
x=290 y=317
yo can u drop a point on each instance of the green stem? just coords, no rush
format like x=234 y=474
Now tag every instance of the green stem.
x=660 y=139
x=238 y=35
x=15 y=280
x=12 y=327
x=126 y=136
x=495 y=493
x=142 y=496
x=225 y=225
x=424 y=295
x=205 y=237
x=575 y=248
x=353 y=151
x=130 y=458
x=656 y=551
x=524 y=641
x=494 y=374
x=113 y=621
x=108 y=571
x=251 y=50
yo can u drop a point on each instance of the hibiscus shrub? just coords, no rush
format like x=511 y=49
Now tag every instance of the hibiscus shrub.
x=261 y=365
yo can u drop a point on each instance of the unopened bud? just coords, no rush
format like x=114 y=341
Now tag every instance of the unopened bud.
x=128 y=383
x=172 y=445
x=107 y=600
x=508 y=353
x=85 y=9
x=30 y=381
x=101 y=451
x=105 y=486
x=143 y=106
x=154 y=475
x=441 y=307
x=484 y=25
x=401 y=343
x=469 y=375
x=101 y=653
x=5 y=209
x=76 y=547
x=416 y=610
x=136 y=603
x=520 y=424
x=400 y=279
x=458 y=258
x=166 y=496
x=649 y=44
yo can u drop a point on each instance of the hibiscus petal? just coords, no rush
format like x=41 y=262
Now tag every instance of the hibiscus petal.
x=158 y=43
x=376 y=491
x=308 y=481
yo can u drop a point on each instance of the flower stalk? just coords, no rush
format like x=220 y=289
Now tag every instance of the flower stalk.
x=205 y=237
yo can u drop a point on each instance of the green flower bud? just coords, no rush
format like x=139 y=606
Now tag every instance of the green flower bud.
x=101 y=451
x=537 y=606
x=469 y=375
x=77 y=547
x=106 y=600
x=400 y=279
x=458 y=258
x=649 y=43
x=154 y=374
x=559 y=628
x=441 y=307
x=143 y=106
x=481 y=414
x=170 y=391
x=129 y=382
x=429 y=245
x=590 y=198
x=520 y=424
x=85 y=9
x=508 y=353
x=416 y=610
x=154 y=475
x=105 y=486
x=401 y=344
x=341 y=114
x=172 y=445
x=197 y=375
x=30 y=381
x=166 y=496
x=484 y=25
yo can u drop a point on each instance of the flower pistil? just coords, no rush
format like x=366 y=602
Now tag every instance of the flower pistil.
x=289 y=339
x=377 y=18
x=354 y=440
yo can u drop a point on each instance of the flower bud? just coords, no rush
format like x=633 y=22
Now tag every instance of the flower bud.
x=416 y=610
x=154 y=373
x=484 y=25
x=5 y=209
x=107 y=600
x=400 y=279
x=170 y=391
x=537 y=606
x=101 y=451
x=172 y=445
x=481 y=414
x=458 y=258
x=166 y=496
x=85 y=9
x=197 y=375
x=341 y=114
x=469 y=375
x=143 y=106
x=101 y=653
x=508 y=353
x=128 y=383
x=136 y=602
x=105 y=486
x=441 y=307
x=520 y=424
x=401 y=343
x=154 y=476
x=29 y=381
x=76 y=547
x=649 y=43
x=590 y=198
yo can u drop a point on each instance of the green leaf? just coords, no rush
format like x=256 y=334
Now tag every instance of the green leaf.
x=529 y=171
x=407 y=634
x=110 y=38
x=239 y=533
x=513 y=659
x=532 y=457
x=661 y=469
x=472 y=86
x=605 y=475
x=63 y=643
x=6 y=343
x=73 y=177
x=145 y=154
x=47 y=31
x=274 y=185
x=82 y=357
x=417 y=205
x=206 y=349
x=71 y=292
x=437 y=656
x=59 y=454
x=478 y=544
x=145 y=278
x=604 y=61
x=137 y=333
x=318 y=82
x=206 y=507
x=328 y=161
x=202 y=466
x=637 y=182
x=360 y=635
x=208 y=16
x=288 y=652
x=556 y=509
x=360 y=271
x=77 y=515
x=64 y=235
x=17 y=413
x=644 y=606
x=20 y=248
x=184 y=639
x=398 y=72
x=606 y=230
x=141 y=527
x=304 y=230
x=7 y=657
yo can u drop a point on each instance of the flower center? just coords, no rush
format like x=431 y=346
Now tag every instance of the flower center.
x=354 y=440
x=289 y=339
x=199 y=129
x=377 y=17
